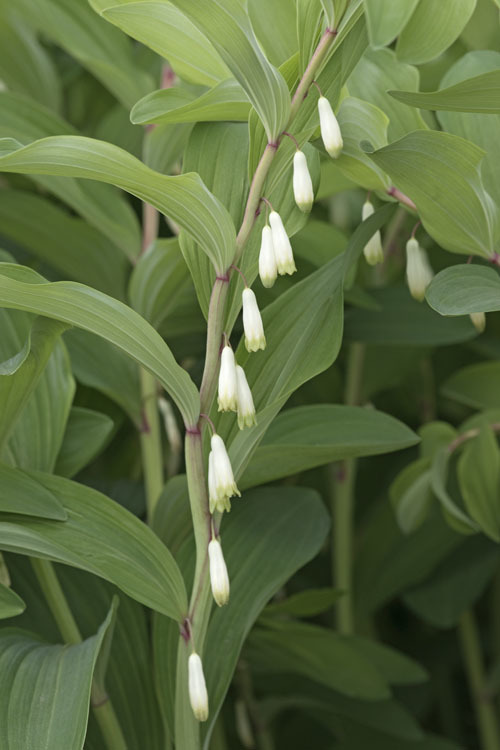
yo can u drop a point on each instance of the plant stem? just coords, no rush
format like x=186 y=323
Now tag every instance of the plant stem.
x=343 y=503
x=214 y=338
x=150 y=434
x=311 y=72
x=103 y=709
x=483 y=706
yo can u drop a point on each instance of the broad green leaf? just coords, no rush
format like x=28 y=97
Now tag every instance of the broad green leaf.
x=309 y=24
x=475 y=386
x=402 y=321
x=455 y=584
x=411 y=495
x=386 y=19
x=463 y=289
x=21 y=494
x=21 y=373
x=45 y=691
x=360 y=121
x=93 y=311
x=106 y=53
x=183 y=198
x=86 y=434
x=478 y=94
x=25 y=65
x=100 y=365
x=167 y=31
x=378 y=71
x=158 y=281
x=441 y=174
x=307 y=603
x=226 y=101
x=101 y=205
x=479 y=479
x=478 y=128
x=10 y=603
x=275 y=28
x=456 y=517
x=69 y=245
x=227 y=26
x=394 y=666
x=432 y=29
x=309 y=436
x=103 y=538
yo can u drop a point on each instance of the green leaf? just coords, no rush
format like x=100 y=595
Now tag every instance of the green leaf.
x=464 y=289
x=20 y=374
x=103 y=538
x=479 y=479
x=93 y=311
x=25 y=65
x=456 y=517
x=475 y=386
x=226 y=101
x=386 y=19
x=441 y=174
x=10 y=603
x=308 y=603
x=227 y=26
x=478 y=94
x=72 y=247
x=309 y=436
x=101 y=205
x=106 y=53
x=183 y=198
x=275 y=28
x=309 y=23
x=402 y=321
x=86 y=434
x=411 y=495
x=21 y=494
x=167 y=31
x=378 y=71
x=432 y=29
x=45 y=691
x=360 y=121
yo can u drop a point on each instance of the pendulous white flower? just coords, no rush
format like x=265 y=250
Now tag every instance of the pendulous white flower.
x=418 y=269
x=219 y=579
x=302 y=183
x=479 y=320
x=268 y=270
x=198 y=696
x=252 y=322
x=227 y=381
x=246 y=409
x=282 y=247
x=330 y=129
x=221 y=484
x=373 y=249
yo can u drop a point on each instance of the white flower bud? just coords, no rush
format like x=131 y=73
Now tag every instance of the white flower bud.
x=282 y=247
x=246 y=409
x=302 y=183
x=227 y=381
x=373 y=248
x=221 y=484
x=330 y=129
x=252 y=322
x=418 y=269
x=198 y=695
x=268 y=270
x=219 y=579
x=479 y=320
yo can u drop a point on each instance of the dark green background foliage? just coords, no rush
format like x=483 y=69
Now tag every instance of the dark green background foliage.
x=363 y=554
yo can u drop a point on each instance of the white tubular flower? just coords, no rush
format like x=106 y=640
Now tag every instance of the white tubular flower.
x=282 y=247
x=198 y=696
x=418 y=269
x=479 y=320
x=252 y=322
x=227 y=381
x=246 y=409
x=330 y=129
x=268 y=270
x=302 y=183
x=219 y=579
x=373 y=249
x=221 y=484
